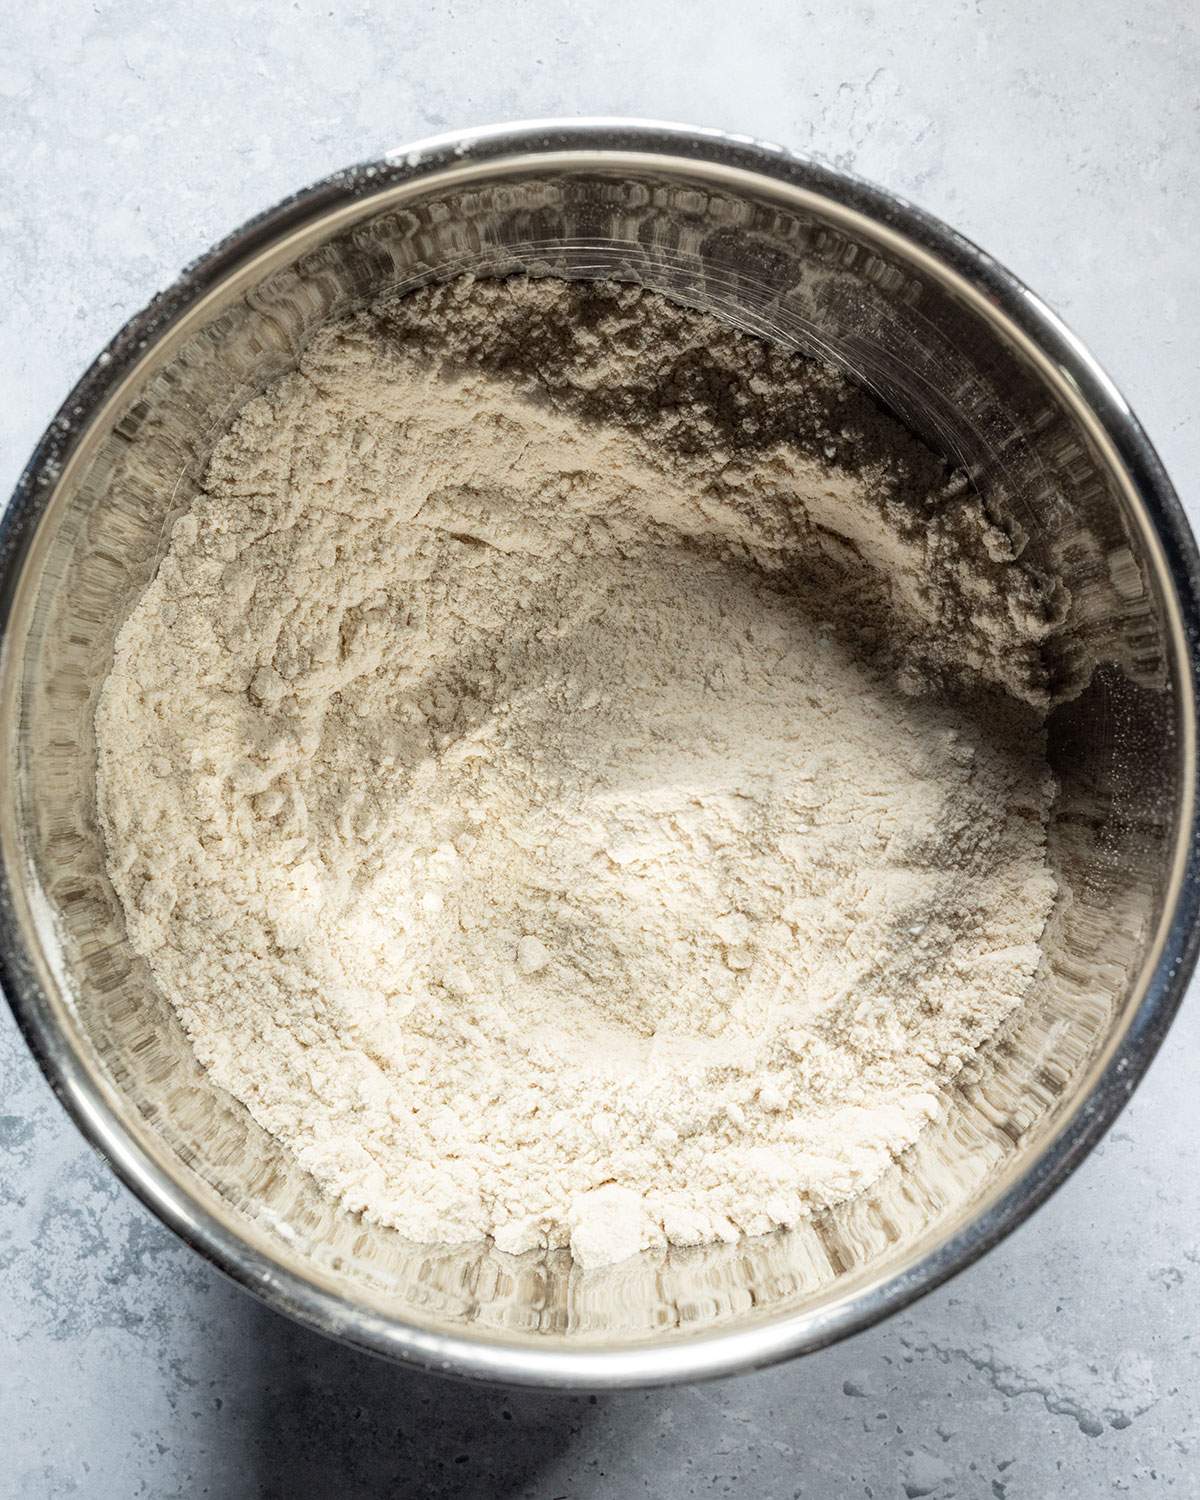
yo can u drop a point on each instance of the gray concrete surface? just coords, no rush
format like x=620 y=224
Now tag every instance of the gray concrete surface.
x=1063 y=137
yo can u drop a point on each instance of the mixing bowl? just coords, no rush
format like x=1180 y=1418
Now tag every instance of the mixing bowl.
x=820 y=263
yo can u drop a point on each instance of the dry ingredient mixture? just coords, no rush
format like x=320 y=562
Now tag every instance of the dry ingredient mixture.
x=578 y=772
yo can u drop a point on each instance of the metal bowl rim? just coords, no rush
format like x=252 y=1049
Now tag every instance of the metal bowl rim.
x=717 y=1352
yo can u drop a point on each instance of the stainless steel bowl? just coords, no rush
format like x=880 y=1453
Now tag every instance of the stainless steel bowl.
x=815 y=260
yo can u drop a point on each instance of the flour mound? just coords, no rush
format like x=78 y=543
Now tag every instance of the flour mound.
x=577 y=772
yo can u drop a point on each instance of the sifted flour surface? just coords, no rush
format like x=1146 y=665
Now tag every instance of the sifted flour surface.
x=578 y=772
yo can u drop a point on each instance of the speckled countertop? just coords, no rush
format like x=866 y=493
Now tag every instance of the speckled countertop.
x=1065 y=138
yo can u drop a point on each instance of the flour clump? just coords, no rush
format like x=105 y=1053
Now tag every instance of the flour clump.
x=578 y=772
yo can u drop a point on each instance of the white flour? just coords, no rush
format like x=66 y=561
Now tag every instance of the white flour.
x=534 y=778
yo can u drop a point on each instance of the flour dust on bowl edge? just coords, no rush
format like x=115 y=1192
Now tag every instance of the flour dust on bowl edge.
x=817 y=262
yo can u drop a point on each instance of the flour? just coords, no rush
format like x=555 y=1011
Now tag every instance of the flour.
x=577 y=772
